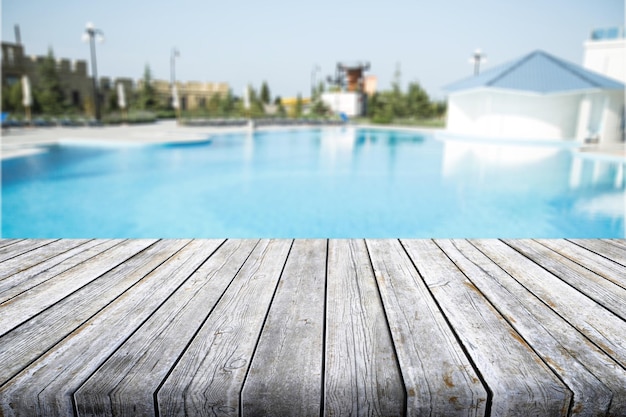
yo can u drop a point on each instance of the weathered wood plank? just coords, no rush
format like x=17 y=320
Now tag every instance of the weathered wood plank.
x=21 y=247
x=125 y=384
x=604 y=328
x=620 y=243
x=30 y=259
x=46 y=386
x=522 y=385
x=590 y=260
x=209 y=376
x=8 y=242
x=603 y=291
x=285 y=376
x=438 y=377
x=33 y=338
x=27 y=304
x=595 y=379
x=35 y=275
x=362 y=376
x=612 y=252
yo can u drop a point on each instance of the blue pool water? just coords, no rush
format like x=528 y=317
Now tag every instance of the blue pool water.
x=335 y=182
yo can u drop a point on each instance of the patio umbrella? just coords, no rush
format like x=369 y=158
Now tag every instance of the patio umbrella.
x=246 y=97
x=27 y=97
x=175 y=101
x=121 y=96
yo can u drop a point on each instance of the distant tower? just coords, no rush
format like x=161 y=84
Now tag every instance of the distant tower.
x=352 y=73
x=18 y=38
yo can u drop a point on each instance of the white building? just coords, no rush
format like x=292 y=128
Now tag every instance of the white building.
x=537 y=96
x=605 y=52
x=350 y=103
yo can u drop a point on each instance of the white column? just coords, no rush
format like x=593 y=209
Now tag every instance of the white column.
x=584 y=113
x=611 y=119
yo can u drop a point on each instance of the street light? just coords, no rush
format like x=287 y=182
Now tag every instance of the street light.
x=476 y=59
x=90 y=34
x=175 y=54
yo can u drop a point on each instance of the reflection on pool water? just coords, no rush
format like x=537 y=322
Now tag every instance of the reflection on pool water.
x=334 y=182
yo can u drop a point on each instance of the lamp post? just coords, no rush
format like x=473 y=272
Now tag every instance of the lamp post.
x=175 y=54
x=476 y=58
x=90 y=34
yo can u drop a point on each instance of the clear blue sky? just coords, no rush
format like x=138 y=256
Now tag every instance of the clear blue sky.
x=245 y=41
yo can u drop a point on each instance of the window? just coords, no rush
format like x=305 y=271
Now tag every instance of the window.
x=10 y=56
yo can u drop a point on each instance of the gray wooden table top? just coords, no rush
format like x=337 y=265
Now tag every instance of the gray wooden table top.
x=313 y=327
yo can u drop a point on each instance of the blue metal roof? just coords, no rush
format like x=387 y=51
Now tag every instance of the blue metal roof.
x=537 y=72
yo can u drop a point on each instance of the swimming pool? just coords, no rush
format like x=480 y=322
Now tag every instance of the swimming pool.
x=330 y=182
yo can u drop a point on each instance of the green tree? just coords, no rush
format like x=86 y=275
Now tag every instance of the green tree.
x=265 y=93
x=112 y=101
x=381 y=107
x=49 y=92
x=439 y=108
x=227 y=104
x=417 y=101
x=12 y=98
x=398 y=100
x=213 y=105
x=147 y=95
x=297 y=109
x=318 y=107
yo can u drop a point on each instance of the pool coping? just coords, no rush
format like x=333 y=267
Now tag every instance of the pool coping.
x=29 y=141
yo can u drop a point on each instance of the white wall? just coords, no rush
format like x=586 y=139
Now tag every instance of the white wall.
x=608 y=57
x=489 y=113
x=343 y=102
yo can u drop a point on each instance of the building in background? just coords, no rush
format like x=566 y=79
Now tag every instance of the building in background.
x=192 y=94
x=605 y=52
x=538 y=96
x=78 y=88
x=370 y=85
x=351 y=99
x=73 y=76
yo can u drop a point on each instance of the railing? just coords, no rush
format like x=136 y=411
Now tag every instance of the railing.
x=603 y=34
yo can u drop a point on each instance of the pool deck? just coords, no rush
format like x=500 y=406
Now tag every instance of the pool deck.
x=313 y=327
x=26 y=141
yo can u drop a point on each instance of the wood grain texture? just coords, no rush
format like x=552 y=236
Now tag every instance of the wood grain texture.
x=522 y=385
x=438 y=377
x=362 y=377
x=209 y=376
x=285 y=377
x=125 y=384
x=32 y=258
x=33 y=338
x=8 y=242
x=28 y=304
x=610 y=251
x=286 y=328
x=603 y=291
x=601 y=326
x=602 y=266
x=25 y=279
x=21 y=247
x=598 y=384
x=620 y=243
x=47 y=385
